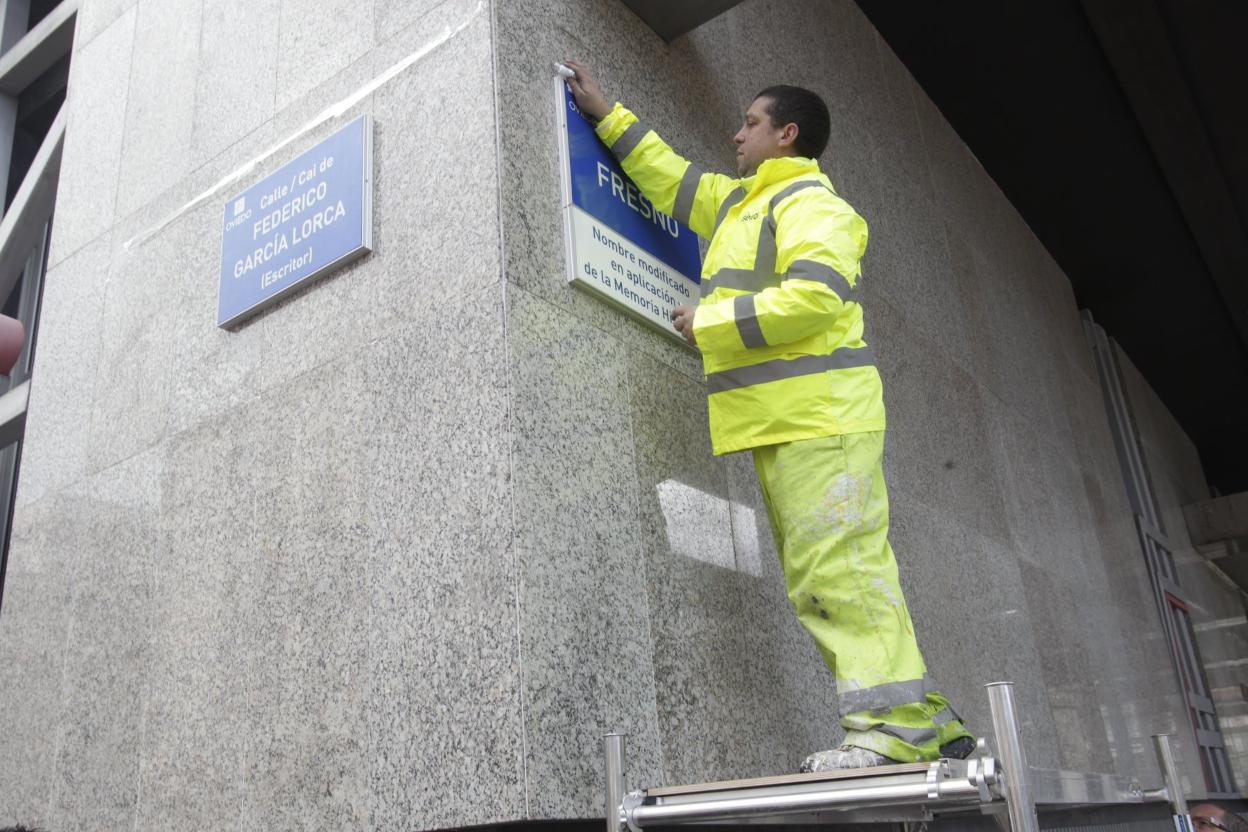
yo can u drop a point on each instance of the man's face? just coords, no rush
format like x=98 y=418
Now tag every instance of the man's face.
x=759 y=139
x=1208 y=818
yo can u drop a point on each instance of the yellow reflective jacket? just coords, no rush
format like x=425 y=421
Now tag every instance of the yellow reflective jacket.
x=779 y=324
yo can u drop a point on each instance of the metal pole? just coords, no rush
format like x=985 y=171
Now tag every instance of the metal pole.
x=1170 y=771
x=1018 y=796
x=613 y=746
x=857 y=797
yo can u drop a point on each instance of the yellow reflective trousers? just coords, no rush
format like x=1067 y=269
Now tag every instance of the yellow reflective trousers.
x=828 y=508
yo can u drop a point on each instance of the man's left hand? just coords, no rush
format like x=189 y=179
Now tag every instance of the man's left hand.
x=682 y=320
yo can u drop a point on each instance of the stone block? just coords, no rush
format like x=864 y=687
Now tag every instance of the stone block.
x=391 y=19
x=197 y=717
x=94 y=16
x=317 y=39
x=584 y=619
x=160 y=106
x=1055 y=601
x=937 y=425
x=437 y=199
x=308 y=738
x=445 y=667
x=91 y=162
x=236 y=81
x=35 y=619
x=57 y=443
x=139 y=334
x=1044 y=499
x=907 y=264
x=108 y=651
x=96 y=778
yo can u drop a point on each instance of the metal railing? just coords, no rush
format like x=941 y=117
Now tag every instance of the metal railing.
x=1003 y=785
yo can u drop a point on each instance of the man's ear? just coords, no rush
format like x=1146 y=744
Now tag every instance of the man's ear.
x=788 y=135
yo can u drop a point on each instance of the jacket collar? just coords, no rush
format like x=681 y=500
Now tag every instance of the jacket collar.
x=779 y=169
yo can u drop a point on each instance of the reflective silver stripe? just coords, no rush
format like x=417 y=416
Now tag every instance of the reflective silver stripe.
x=733 y=198
x=686 y=192
x=628 y=142
x=781 y=197
x=745 y=280
x=765 y=257
x=914 y=736
x=862 y=721
x=747 y=321
x=792 y=189
x=828 y=276
x=883 y=697
x=751 y=280
x=782 y=368
x=762 y=276
x=865 y=721
x=729 y=278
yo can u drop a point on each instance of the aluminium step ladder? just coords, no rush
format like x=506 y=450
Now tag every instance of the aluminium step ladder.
x=1003 y=786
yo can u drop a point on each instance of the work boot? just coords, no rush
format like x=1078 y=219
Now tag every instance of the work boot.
x=958 y=749
x=847 y=756
x=850 y=756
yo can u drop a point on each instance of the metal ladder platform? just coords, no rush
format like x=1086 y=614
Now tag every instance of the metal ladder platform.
x=1003 y=786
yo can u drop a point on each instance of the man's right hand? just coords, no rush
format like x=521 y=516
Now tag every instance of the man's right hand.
x=585 y=90
x=682 y=322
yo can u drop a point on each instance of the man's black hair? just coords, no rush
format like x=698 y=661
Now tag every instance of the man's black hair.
x=1234 y=821
x=805 y=109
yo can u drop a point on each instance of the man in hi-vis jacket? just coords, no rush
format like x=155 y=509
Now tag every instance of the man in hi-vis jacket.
x=790 y=378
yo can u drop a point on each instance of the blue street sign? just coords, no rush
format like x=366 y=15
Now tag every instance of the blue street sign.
x=308 y=218
x=602 y=189
x=619 y=246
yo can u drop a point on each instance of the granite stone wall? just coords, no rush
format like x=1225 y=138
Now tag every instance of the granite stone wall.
x=398 y=551
x=260 y=579
x=1016 y=543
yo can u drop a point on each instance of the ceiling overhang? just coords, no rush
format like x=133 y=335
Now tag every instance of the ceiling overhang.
x=672 y=19
x=1138 y=48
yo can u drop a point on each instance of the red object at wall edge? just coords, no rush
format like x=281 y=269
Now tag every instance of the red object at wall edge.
x=12 y=339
